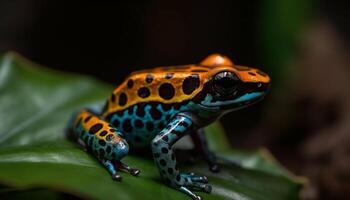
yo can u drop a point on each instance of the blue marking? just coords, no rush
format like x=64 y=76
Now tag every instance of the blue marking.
x=248 y=97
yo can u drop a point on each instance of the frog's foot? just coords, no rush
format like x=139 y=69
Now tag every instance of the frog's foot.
x=111 y=169
x=192 y=182
x=127 y=168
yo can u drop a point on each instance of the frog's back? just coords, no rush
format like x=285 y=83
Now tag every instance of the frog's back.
x=166 y=85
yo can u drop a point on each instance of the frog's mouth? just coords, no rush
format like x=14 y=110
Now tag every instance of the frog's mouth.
x=246 y=99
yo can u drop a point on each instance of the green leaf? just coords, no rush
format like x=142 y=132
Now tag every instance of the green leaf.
x=36 y=159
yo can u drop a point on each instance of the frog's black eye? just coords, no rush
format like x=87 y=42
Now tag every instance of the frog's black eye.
x=225 y=84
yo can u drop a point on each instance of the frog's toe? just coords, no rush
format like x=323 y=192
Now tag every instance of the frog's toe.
x=200 y=186
x=134 y=172
x=200 y=179
x=193 y=178
x=190 y=193
x=117 y=177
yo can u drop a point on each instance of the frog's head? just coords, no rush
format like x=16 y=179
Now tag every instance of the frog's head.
x=231 y=87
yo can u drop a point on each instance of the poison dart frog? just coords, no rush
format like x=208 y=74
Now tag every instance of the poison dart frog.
x=156 y=108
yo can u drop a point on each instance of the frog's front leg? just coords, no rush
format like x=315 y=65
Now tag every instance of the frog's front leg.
x=166 y=162
x=101 y=139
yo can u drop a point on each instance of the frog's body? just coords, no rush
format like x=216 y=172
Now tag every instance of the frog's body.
x=157 y=107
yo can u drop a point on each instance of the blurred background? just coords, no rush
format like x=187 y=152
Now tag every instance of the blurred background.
x=302 y=44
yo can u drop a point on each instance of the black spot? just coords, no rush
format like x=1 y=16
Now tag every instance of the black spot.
x=177 y=106
x=261 y=73
x=87 y=119
x=251 y=73
x=175 y=132
x=149 y=78
x=78 y=122
x=131 y=110
x=95 y=128
x=123 y=99
x=108 y=149
x=199 y=70
x=96 y=152
x=165 y=138
x=170 y=170
x=149 y=126
x=113 y=98
x=114 y=155
x=155 y=113
x=137 y=139
x=242 y=68
x=109 y=137
x=163 y=172
x=91 y=140
x=168 y=127
x=184 y=124
x=116 y=123
x=103 y=133
x=190 y=84
x=102 y=142
x=130 y=83
x=162 y=162
x=156 y=155
x=143 y=92
x=138 y=123
x=166 y=91
x=120 y=113
x=140 y=111
x=161 y=125
x=86 y=139
x=172 y=156
x=127 y=126
x=178 y=177
x=166 y=107
x=164 y=150
x=169 y=75
x=101 y=153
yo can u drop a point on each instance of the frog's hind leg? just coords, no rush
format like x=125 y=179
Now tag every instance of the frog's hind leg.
x=201 y=146
x=102 y=140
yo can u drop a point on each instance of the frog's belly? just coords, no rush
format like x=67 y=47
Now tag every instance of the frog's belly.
x=141 y=138
x=140 y=123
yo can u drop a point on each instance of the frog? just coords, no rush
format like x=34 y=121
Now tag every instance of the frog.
x=155 y=108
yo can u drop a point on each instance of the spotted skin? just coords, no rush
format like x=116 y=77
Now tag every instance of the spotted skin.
x=156 y=108
x=101 y=139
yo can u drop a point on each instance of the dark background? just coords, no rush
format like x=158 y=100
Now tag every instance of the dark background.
x=303 y=45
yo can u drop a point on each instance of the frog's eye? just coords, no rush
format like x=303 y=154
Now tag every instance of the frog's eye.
x=225 y=84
